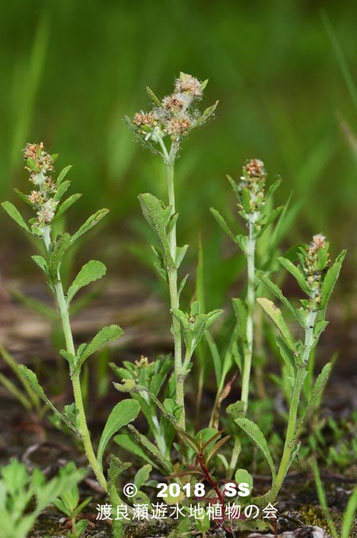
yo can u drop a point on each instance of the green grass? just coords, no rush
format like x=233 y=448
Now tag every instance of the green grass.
x=72 y=70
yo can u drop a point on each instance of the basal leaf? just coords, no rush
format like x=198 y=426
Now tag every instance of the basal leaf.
x=142 y=475
x=91 y=271
x=124 y=412
x=254 y=432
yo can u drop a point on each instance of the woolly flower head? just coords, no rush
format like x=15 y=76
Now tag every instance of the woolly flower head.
x=188 y=84
x=38 y=162
x=318 y=242
x=175 y=115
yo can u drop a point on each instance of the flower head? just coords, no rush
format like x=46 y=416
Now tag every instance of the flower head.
x=173 y=116
x=251 y=186
x=188 y=84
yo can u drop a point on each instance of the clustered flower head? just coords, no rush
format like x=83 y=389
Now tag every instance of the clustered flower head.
x=175 y=115
x=40 y=163
x=314 y=261
x=251 y=187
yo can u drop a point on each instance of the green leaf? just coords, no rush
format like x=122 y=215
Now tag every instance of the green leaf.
x=152 y=449
x=61 y=190
x=297 y=274
x=105 y=335
x=23 y=197
x=241 y=312
x=91 y=271
x=317 y=391
x=31 y=378
x=13 y=212
x=124 y=412
x=331 y=279
x=287 y=356
x=241 y=475
x=63 y=174
x=152 y=96
x=66 y=205
x=60 y=247
x=279 y=294
x=221 y=221
x=89 y=224
x=126 y=442
x=257 y=436
x=276 y=316
x=349 y=516
x=157 y=216
x=142 y=476
x=41 y=262
x=206 y=114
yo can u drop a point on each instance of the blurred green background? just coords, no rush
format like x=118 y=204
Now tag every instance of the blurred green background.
x=70 y=70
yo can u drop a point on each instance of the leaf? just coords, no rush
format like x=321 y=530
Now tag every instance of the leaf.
x=317 y=391
x=279 y=294
x=221 y=221
x=241 y=475
x=66 y=205
x=13 y=212
x=60 y=247
x=142 y=475
x=206 y=114
x=31 y=378
x=91 y=271
x=331 y=279
x=297 y=274
x=349 y=516
x=241 y=312
x=89 y=224
x=126 y=442
x=287 y=356
x=61 y=190
x=23 y=197
x=152 y=96
x=152 y=449
x=257 y=436
x=109 y=333
x=63 y=174
x=157 y=215
x=124 y=412
x=276 y=316
x=41 y=262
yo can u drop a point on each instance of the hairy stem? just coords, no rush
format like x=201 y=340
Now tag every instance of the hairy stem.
x=291 y=432
x=250 y=303
x=174 y=299
x=75 y=377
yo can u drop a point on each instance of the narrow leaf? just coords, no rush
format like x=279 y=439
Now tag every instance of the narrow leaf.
x=297 y=274
x=331 y=279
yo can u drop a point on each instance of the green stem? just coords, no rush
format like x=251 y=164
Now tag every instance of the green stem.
x=251 y=304
x=174 y=300
x=291 y=432
x=75 y=377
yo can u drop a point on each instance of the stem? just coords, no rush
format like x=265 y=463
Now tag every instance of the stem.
x=250 y=303
x=291 y=432
x=174 y=300
x=75 y=377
